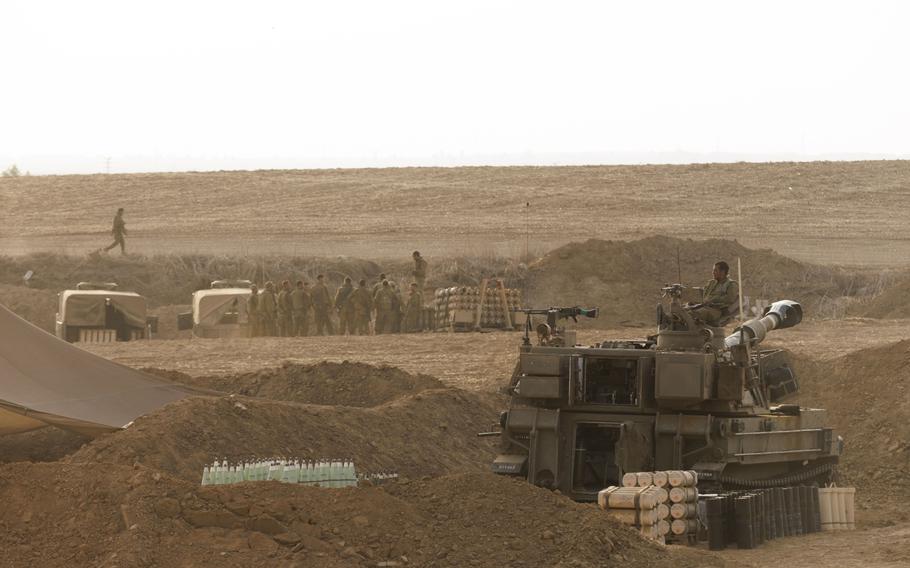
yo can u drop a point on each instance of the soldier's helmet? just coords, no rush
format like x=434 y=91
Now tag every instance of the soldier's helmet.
x=416 y=254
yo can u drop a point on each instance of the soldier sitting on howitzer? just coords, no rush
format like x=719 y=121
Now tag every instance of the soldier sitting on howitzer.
x=718 y=298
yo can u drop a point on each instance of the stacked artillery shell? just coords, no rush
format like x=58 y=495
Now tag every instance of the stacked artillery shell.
x=457 y=307
x=760 y=515
x=683 y=495
x=639 y=507
x=677 y=501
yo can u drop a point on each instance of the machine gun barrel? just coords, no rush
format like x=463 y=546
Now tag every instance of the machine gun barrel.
x=555 y=314
x=779 y=315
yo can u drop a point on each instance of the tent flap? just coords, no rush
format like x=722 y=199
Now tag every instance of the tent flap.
x=44 y=380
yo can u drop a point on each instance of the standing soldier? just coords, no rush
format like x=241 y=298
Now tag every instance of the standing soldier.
x=420 y=271
x=414 y=309
x=378 y=284
x=397 y=308
x=322 y=305
x=301 y=304
x=362 y=303
x=252 y=311
x=268 y=310
x=119 y=232
x=384 y=300
x=344 y=307
x=284 y=309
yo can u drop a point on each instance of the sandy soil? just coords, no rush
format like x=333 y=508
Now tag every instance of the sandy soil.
x=825 y=212
x=482 y=363
x=479 y=362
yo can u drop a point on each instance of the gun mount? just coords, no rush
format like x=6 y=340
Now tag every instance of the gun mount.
x=688 y=397
x=550 y=333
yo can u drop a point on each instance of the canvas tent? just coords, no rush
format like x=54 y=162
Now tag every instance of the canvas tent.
x=99 y=309
x=46 y=381
x=220 y=312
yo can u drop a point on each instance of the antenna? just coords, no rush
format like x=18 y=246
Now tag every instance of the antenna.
x=739 y=273
x=527 y=230
x=678 y=267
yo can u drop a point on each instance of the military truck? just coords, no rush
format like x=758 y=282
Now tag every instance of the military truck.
x=99 y=312
x=219 y=311
x=687 y=397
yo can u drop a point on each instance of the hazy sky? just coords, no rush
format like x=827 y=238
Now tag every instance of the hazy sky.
x=237 y=85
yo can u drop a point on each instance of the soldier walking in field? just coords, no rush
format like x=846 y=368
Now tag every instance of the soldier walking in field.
x=322 y=306
x=384 y=301
x=268 y=310
x=252 y=311
x=119 y=232
x=344 y=307
x=420 y=271
x=301 y=304
x=413 y=311
x=361 y=302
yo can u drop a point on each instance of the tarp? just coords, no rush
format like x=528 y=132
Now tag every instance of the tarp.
x=209 y=306
x=47 y=381
x=86 y=307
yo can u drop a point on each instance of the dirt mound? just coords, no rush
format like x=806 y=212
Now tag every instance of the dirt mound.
x=892 y=303
x=624 y=278
x=138 y=517
x=867 y=395
x=430 y=433
x=46 y=444
x=343 y=384
x=36 y=306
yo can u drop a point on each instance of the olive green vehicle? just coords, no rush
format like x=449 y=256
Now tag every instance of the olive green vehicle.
x=685 y=398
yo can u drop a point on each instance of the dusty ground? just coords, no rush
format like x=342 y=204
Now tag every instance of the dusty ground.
x=478 y=362
x=822 y=213
x=482 y=363
x=825 y=212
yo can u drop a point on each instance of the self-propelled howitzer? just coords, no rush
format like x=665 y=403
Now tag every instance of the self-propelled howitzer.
x=685 y=398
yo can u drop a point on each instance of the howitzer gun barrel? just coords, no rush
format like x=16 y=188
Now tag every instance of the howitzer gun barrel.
x=779 y=315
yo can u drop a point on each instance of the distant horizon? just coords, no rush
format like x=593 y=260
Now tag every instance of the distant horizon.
x=73 y=165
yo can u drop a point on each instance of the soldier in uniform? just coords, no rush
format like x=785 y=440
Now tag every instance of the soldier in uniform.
x=119 y=232
x=362 y=303
x=268 y=310
x=396 y=308
x=284 y=310
x=420 y=271
x=378 y=283
x=719 y=296
x=384 y=301
x=344 y=307
x=252 y=311
x=322 y=306
x=413 y=310
x=300 y=306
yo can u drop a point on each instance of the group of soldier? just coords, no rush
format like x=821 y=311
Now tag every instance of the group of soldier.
x=286 y=310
